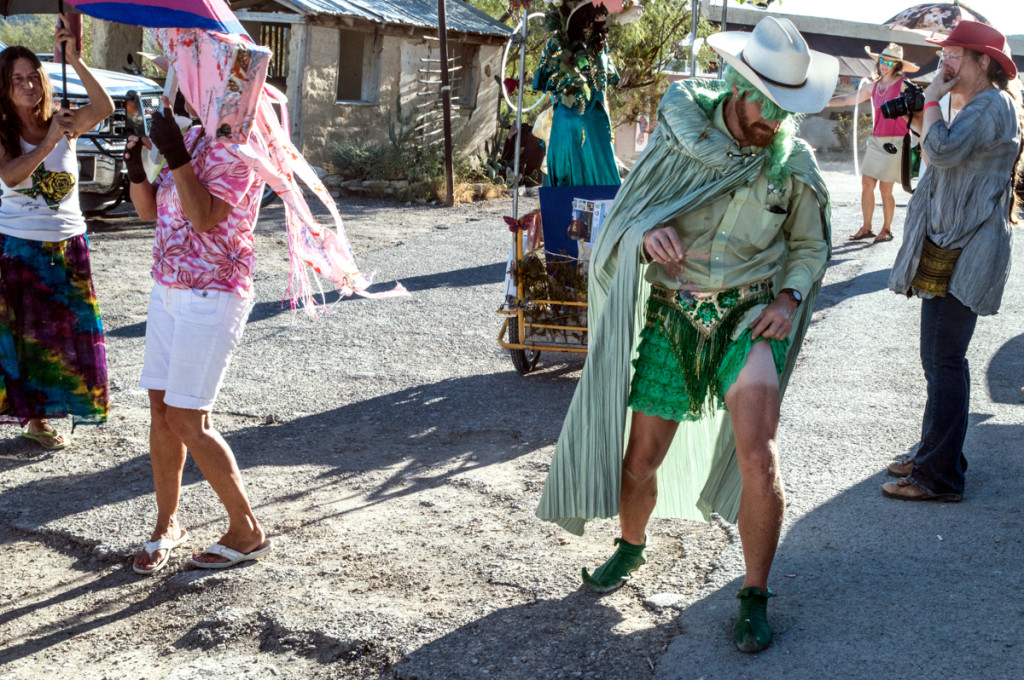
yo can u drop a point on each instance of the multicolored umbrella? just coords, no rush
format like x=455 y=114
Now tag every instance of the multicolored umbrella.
x=209 y=15
x=934 y=17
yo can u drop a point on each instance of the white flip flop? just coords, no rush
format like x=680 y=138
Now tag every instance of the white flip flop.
x=233 y=557
x=165 y=544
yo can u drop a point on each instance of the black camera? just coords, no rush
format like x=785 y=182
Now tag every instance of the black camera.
x=910 y=101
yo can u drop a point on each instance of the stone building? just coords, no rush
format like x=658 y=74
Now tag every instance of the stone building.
x=350 y=68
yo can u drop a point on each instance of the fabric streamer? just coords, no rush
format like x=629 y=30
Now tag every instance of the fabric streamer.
x=222 y=76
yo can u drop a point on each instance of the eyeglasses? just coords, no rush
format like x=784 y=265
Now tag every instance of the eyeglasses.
x=946 y=56
x=886 y=62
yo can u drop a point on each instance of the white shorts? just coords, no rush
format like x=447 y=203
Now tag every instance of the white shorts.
x=190 y=335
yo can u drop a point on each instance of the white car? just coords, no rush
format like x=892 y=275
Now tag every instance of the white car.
x=102 y=180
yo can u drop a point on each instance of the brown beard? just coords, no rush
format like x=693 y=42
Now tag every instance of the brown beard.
x=760 y=135
x=755 y=132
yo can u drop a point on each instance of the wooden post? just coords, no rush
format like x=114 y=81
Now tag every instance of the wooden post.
x=446 y=104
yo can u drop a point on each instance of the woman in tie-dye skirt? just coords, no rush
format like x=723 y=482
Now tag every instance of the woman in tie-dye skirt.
x=52 y=353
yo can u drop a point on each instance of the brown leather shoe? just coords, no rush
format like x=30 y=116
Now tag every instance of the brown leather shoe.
x=900 y=468
x=903 y=490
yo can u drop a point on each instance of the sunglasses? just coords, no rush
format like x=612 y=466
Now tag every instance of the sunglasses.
x=886 y=62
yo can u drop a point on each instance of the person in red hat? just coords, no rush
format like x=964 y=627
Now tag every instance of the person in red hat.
x=956 y=243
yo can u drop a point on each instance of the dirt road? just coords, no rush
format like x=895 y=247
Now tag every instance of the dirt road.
x=390 y=450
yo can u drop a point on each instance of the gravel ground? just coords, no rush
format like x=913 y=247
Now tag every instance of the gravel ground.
x=391 y=452
x=396 y=458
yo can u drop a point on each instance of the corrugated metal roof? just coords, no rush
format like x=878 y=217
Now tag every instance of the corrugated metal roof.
x=459 y=16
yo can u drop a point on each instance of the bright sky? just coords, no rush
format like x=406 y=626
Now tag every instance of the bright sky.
x=1006 y=15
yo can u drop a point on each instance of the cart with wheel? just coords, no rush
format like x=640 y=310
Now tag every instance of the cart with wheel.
x=545 y=302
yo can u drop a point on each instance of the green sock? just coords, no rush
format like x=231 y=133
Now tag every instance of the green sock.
x=752 y=633
x=613 y=573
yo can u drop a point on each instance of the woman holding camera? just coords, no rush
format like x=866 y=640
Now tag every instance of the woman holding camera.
x=881 y=167
x=52 y=352
x=956 y=245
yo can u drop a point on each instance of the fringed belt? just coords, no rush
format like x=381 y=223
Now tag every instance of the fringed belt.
x=935 y=269
x=699 y=327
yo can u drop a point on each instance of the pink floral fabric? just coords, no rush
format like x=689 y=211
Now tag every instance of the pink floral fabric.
x=222 y=258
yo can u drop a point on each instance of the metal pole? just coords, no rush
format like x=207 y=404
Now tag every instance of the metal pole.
x=63 y=63
x=725 y=27
x=446 y=104
x=519 y=118
x=695 y=7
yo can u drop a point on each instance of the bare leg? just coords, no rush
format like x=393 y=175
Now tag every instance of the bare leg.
x=217 y=463
x=867 y=204
x=649 y=439
x=888 y=205
x=167 y=456
x=753 y=401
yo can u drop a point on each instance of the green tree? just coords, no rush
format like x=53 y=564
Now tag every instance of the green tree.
x=35 y=31
x=644 y=52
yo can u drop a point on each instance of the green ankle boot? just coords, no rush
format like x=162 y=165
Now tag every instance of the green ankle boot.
x=752 y=632
x=613 y=573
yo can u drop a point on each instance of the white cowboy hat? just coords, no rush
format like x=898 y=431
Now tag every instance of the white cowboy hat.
x=776 y=60
x=894 y=52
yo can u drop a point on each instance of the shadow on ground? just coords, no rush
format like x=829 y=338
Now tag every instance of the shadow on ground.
x=567 y=637
x=457 y=278
x=425 y=435
x=869 y=587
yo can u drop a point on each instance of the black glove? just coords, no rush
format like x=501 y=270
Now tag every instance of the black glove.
x=133 y=163
x=166 y=136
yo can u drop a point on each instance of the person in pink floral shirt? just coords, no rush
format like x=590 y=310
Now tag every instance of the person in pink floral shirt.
x=205 y=203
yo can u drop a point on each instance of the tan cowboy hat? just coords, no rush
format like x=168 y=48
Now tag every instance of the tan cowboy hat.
x=894 y=52
x=776 y=60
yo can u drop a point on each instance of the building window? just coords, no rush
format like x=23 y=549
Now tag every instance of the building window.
x=462 y=58
x=275 y=37
x=358 y=67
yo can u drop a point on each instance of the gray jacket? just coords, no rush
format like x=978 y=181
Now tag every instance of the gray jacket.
x=963 y=201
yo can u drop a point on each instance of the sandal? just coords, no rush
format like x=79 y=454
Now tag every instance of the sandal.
x=51 y=440
x=752 y=633
x=165 y=544
x=860 y=235
x=613 y=573
x=883 y=236
x=233 y=557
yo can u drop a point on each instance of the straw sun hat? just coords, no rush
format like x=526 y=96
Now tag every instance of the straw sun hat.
x=894 y=52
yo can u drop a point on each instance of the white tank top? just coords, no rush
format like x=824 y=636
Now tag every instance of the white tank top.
x=45 y=206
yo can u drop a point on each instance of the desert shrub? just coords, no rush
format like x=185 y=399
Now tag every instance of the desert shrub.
x=402 y=157
x=844 y=129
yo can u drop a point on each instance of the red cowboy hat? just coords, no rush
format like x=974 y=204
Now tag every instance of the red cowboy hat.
x=974 y=35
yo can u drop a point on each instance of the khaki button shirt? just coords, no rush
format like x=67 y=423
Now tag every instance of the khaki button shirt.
x=743 y=237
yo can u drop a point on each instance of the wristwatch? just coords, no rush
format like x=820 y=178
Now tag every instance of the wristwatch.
x=793 y=293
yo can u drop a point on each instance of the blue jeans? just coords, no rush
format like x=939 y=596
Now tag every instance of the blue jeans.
x=946 y=330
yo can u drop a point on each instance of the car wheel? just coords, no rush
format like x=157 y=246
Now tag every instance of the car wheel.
x=98 y=205
x=268 y=196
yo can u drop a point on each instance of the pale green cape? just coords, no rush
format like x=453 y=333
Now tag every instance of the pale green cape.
x=685 y=165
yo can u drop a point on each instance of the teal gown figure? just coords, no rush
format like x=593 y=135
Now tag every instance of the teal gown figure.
x=576 y=70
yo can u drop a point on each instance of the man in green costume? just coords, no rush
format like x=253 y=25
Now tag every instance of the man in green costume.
x=702 y=285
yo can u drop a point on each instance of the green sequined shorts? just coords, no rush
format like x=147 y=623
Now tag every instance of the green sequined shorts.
x=687 y=360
